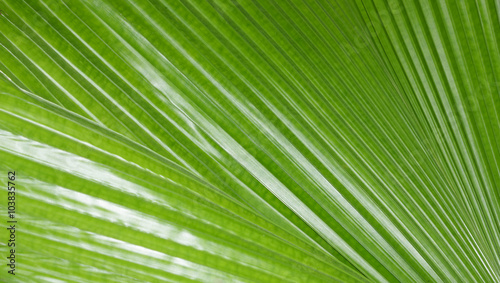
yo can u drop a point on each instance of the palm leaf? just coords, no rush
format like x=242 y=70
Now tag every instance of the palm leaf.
x=260 y=141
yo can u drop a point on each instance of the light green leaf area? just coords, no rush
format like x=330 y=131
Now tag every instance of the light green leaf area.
x=251 y=141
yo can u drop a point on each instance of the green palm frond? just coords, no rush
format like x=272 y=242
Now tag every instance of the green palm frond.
x=252 y=141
